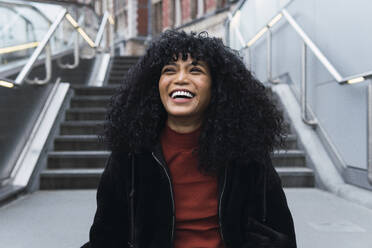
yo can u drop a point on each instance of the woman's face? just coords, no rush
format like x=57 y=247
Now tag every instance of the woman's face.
x=185 y=88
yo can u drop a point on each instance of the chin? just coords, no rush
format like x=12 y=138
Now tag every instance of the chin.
x=180 y=114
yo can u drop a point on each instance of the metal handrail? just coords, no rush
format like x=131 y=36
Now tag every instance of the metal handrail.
x=369 y=132
x=76 y=53
x=307 y=43
x=48 y=68
x=313 y=47
x=27 y=68
x=101 y=29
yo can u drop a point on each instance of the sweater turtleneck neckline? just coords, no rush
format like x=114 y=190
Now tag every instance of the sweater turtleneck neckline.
x=180 y=140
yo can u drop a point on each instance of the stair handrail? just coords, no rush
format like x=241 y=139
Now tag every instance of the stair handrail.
x=306 y=43
x=39 y=49
x=76 y=62
x=21 y=77
x=369 y=131
x=106 y=18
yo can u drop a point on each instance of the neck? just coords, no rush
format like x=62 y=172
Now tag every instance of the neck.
x=180 y=125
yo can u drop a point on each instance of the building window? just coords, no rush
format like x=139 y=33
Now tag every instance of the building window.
x=193 y=8
x=157 y=16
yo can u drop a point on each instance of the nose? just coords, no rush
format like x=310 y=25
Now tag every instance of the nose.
x=182 y=77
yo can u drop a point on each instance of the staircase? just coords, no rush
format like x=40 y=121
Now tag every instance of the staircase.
x=78 y=158
x=290 y=163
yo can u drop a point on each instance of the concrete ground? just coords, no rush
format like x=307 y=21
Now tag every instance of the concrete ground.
x=61 y=219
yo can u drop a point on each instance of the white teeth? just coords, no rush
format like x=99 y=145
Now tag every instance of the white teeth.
x=181 y=93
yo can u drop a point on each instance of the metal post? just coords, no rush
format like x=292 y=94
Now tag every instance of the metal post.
x=312 y=46
x=303 y=80
x=304 y=86
x=76 y=55
x=149 y=19
x=48 y=68
x=111 y=28
x=247 y=58
x=101 y=29
x=269 y=61
x=269 y=55
x=250 y=59
x=369 y=131
x=27 y=68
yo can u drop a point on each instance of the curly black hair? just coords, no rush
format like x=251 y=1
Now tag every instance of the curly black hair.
x=240 y=122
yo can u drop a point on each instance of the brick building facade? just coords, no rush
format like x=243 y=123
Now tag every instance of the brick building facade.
x=176 y=13
x=134 y=18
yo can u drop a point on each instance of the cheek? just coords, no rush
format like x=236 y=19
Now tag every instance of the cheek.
x=162 y=90
x=207 y=93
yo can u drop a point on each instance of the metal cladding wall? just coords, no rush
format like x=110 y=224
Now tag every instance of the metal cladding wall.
x=19 y=109
x=341 y=29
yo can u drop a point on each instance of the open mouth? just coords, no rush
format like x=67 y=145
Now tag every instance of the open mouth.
x=181 y=94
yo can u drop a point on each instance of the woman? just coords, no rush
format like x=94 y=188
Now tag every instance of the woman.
x=190 y=132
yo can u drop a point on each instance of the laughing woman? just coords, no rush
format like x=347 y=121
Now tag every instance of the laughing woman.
x=191 y=131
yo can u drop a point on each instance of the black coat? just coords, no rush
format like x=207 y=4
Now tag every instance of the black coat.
x=248 y=190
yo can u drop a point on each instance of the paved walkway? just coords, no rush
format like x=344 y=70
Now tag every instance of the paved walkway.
x=61 y=219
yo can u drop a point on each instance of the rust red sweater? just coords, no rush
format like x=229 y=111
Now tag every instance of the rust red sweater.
x=195 y=194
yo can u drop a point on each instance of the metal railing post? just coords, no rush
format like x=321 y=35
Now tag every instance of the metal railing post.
x=269 y=57
x=250 y=59
x=322 y=58
x=101 y=29
x=27 y=68
x=304 y=86
x=76 y=55
x=48 y=68
x=369 y=131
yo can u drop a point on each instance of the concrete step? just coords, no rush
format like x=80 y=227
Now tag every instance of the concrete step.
x=89 y=178
x=78 y=143
x=285 y=158
x=80 y=114
x=114 y=81
x=129 y=58
x=291 y=142
x=296 y=177
x=70 y=179
x=81 y=127
x=92 y=142
x=77 y=159
x=121 y=67
x=90 y=101
x=124 y=62
x=114 y=77
x=117 y=72
x=95 y=91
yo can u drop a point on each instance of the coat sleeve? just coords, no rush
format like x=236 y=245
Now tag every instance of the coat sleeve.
x=111 y=222
x=278 y=215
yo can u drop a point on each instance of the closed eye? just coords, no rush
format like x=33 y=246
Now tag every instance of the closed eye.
x=167 y=70
x=196 y=69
